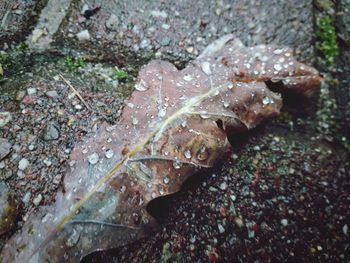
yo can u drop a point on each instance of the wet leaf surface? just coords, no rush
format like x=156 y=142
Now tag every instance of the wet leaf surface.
x=174 y=125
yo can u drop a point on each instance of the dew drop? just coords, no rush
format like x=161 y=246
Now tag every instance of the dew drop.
x=204 y=115
x=188 y=154
x=226 y=104
x=266 y=100
x=135 y=121
x=154 y=195
x=206 y=68
x=177 y=164
x=109 y=153
x=188 y=77
x=166 y=180
x=277 y=67
x=122 y=188
x=230 y=86
x=278 y=51
x=161 y=190
x=161 y=113
x=93 y=158
x=203 y=154
x=73 y=238
x=141 y=86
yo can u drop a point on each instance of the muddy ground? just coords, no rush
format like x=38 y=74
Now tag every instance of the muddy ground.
x=284 y=193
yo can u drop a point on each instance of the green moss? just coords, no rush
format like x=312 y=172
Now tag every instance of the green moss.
x=120 y=75
x=74 y=63
x=166 y=253
x=12 y=60
x=327 y=38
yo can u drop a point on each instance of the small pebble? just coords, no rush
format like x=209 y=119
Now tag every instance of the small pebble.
x=223 y=186
x=23 y=164
x=5 y=148
x=239 y=222
x=83 y=35
x=221 y=229
x=37 y=200
x=233 y=198
x=345 y=229
x=52 y=94
x=284 y=222
x=26 y=197
x=5 y=117
x=31 y=91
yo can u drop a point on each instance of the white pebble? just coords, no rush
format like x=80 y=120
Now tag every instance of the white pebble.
x=284 y=222
x=37 y=200
x=83 y=35
x=23 y=164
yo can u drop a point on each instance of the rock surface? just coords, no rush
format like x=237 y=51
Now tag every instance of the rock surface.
x=8 y=209
x=5 y=148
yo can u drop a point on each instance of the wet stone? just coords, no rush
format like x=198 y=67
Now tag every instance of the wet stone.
x=31 y=91
x=52 y=94
x=26 y=197
x=5 y=117
x=8 y=209
x=51 y=132
x=83 y=35
x=221 y=228
x=37 y=200
x=284 y=222
x=5 y=148
x=223 y=186
x=23 y=164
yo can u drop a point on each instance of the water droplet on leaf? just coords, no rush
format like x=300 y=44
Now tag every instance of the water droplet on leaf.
x=166 y=180
x=141 y=86
x=109 y=153
x=277 y=67
x=93 y=158
x=177 y=164
x=122 y=188
x=204 y=115
x=267 y=100
x=188 y=154
x=203 y=154
x=206 y=68
x=73 y=238
x=188 y=77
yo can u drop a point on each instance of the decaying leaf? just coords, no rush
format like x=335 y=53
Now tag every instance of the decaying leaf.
x=174 y=125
